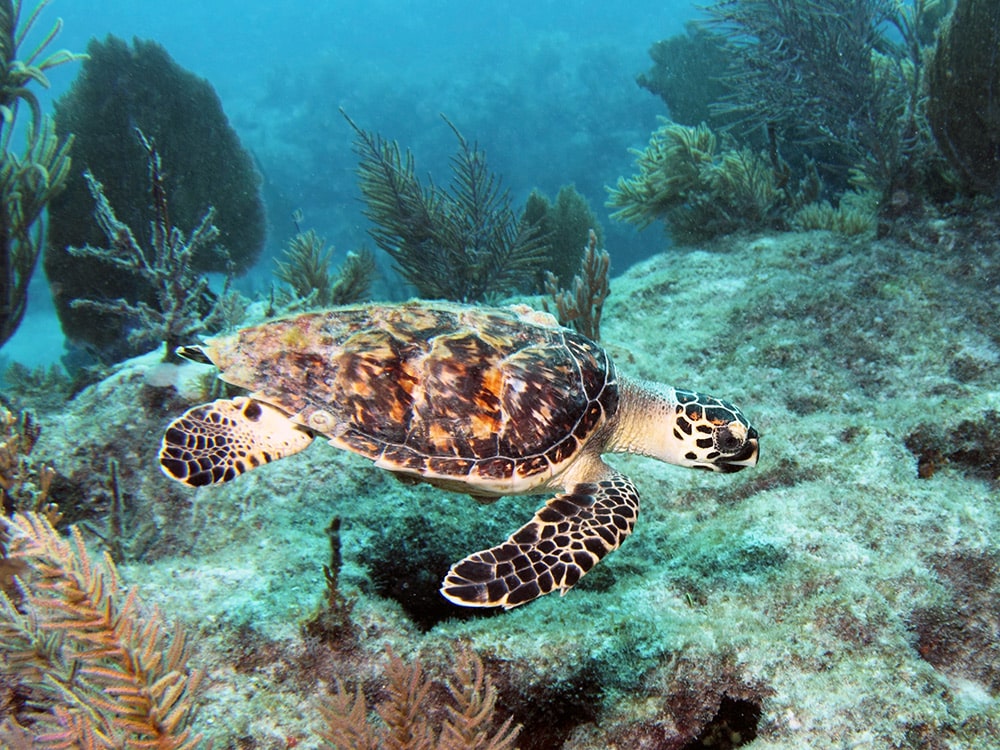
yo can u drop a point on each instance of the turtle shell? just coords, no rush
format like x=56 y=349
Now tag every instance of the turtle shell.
x=486 y=398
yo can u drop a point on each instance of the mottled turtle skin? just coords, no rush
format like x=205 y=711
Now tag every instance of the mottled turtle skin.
x=488 y=401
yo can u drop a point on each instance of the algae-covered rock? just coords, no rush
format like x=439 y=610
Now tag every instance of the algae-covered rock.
x=832 y=597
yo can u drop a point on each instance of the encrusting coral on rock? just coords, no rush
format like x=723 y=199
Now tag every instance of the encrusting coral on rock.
x=98 y=669
x=834 y=596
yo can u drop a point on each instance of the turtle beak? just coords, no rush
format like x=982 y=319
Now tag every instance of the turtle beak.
x=194 y=354
x=746 y=457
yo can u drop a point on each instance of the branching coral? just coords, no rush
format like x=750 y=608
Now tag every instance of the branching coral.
x=306 y=271
x=109 y=674
x=581 y=305
x=669 y=170
x=17 y=74
x=29 y=180
x=331 y=623
x=828 y=71
x=696 y=189
x=411 y=716
x=746 y=188
x=24 y=484
x=181 y=306
x=123 y=86
x=788 y=50
x=306 y=267
x=463 y=243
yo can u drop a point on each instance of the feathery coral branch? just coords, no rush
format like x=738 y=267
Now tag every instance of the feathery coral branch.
x=470 y=720
x=305 y=268
x=409 y=714
x=112 y=674
x=463 y=243
x=405 y=713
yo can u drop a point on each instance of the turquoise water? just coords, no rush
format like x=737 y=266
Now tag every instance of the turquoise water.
x=824 y=254
x=547 y=90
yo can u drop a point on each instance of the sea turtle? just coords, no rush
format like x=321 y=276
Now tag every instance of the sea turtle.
x=487 y=401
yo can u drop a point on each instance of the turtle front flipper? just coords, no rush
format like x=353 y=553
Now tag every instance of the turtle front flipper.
x=216 y=442
x=565 y=539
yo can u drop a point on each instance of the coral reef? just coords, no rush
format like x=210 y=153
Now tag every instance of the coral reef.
x=833 y=598
x=136 y=513
x=565 y=226
x=122 y=87
x=832 y=86
x=697 y=189
x=306 y=271
x=581 y=305
x=105 y=673
x=963 y=105
x=32 y=177
x=462 y=244
x=181 y=304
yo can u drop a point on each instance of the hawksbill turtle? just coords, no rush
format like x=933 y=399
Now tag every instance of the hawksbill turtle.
x=487 y=401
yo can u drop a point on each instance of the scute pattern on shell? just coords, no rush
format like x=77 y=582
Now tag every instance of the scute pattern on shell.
x=476 y=394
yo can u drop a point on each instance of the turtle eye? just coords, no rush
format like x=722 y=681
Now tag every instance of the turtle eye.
x=730 y=437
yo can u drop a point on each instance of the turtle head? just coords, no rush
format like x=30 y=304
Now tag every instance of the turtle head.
x=682 y=427
x=222 y=350
x=709 y=433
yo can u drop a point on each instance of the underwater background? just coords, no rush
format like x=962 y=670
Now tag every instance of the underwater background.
x=792 y=206
x=547 y=90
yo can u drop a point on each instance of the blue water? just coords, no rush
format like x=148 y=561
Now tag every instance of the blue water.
x=546 y=88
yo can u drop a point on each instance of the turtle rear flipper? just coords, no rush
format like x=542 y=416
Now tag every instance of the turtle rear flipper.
x=216 y=442
x=565 y=539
